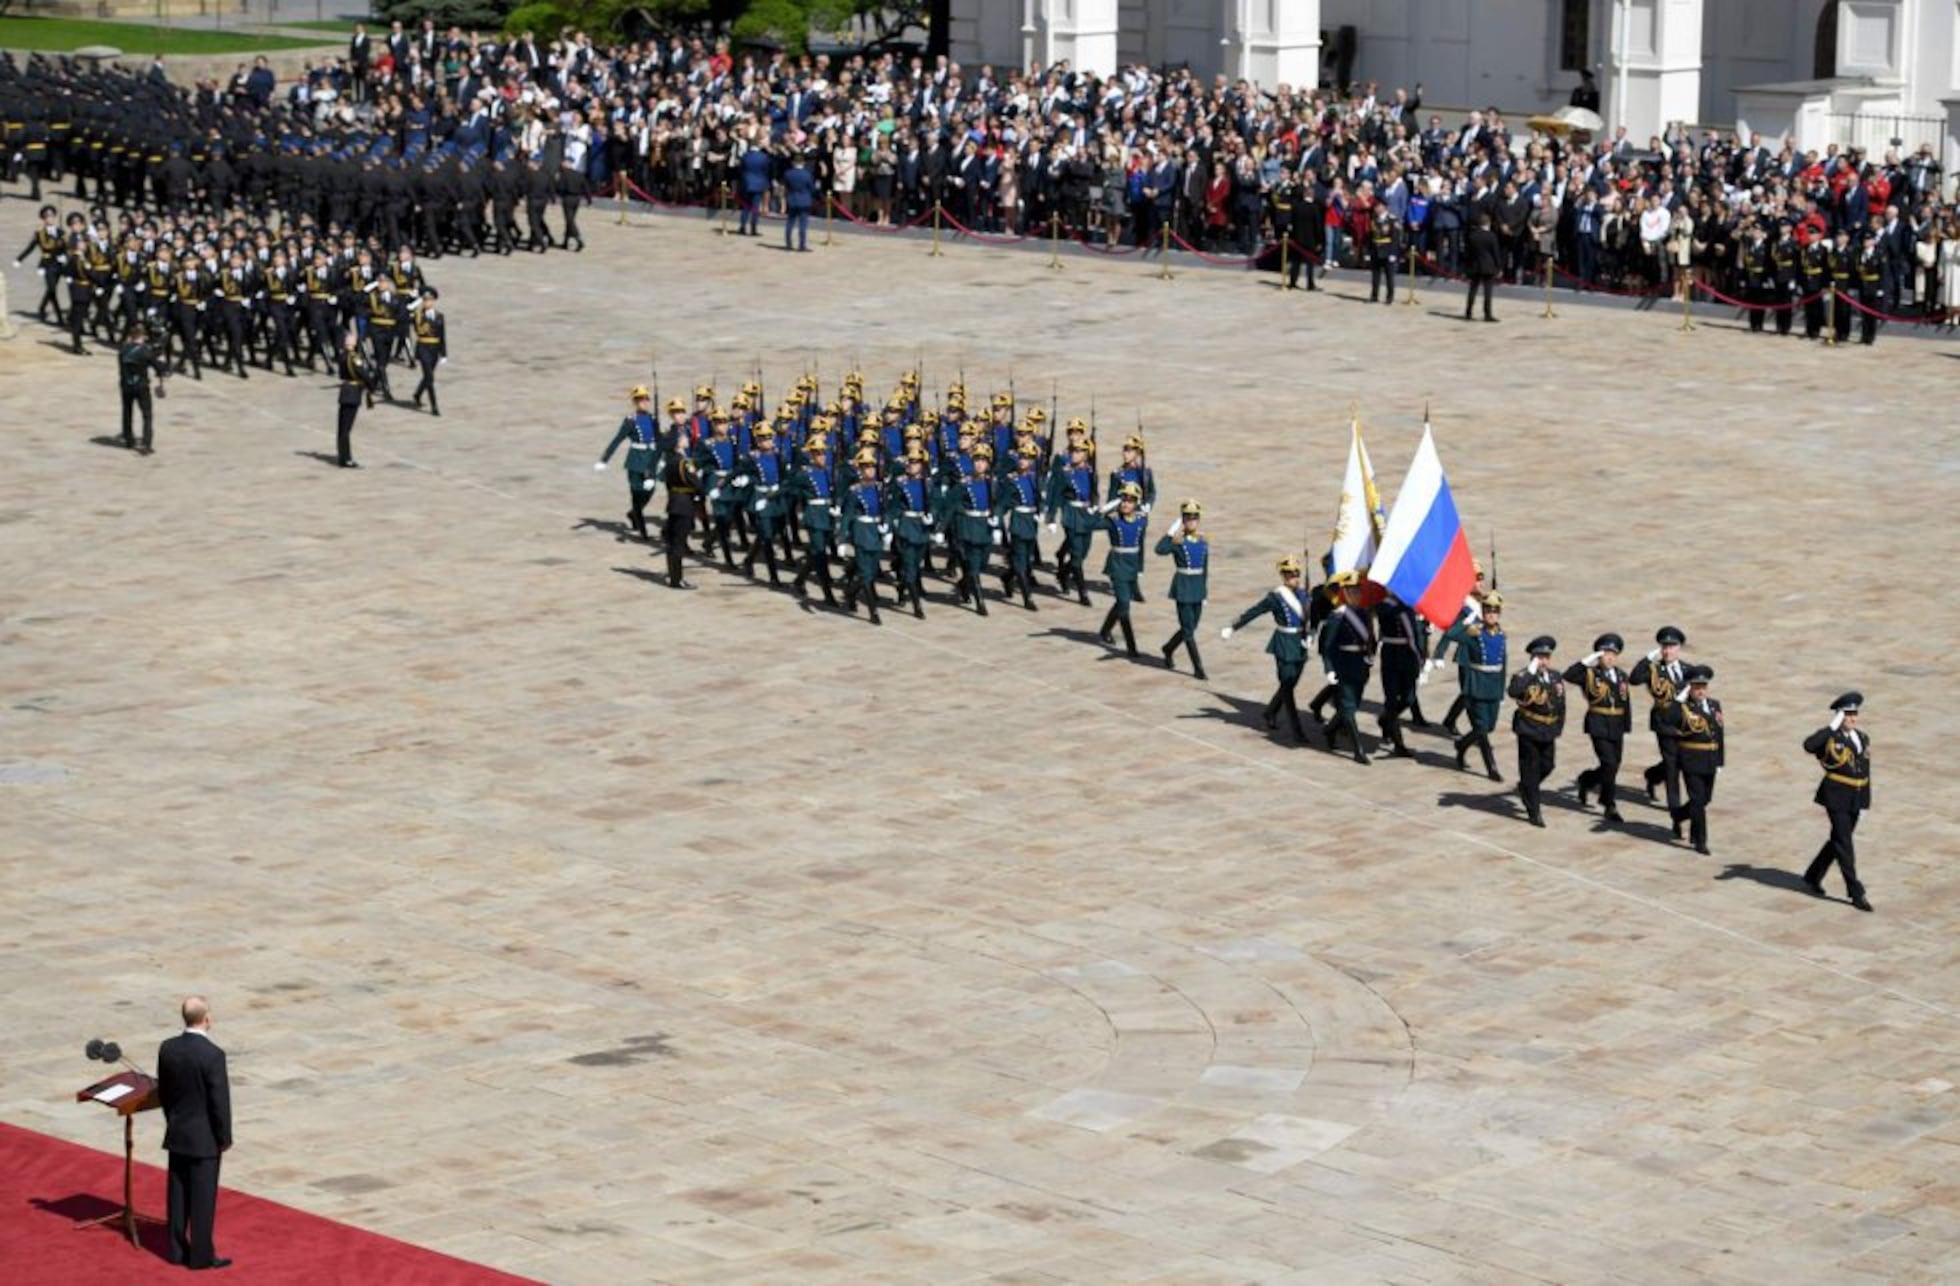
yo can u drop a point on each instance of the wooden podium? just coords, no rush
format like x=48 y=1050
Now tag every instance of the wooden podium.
x=127 y=1093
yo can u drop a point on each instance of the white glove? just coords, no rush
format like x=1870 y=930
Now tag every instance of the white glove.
x=760 y=505
x=1172 y=529
x=1472 y=608
x=939 y=538
x=1225 y=633
x=714 y=493
x=1837 y=720
x=1654 y=655
x=442 y=361
x=1423 y=676
x=1589 y=660
x=835 y=511
x=647 y=485
x=600 y=465
x=1146 y=509
x=997 y=537
x=1052 y=529
x=884 y=529
x=741 y=482
x=847 y=550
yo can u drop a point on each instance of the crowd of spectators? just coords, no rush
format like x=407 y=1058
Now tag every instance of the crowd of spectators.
x=1219 y=165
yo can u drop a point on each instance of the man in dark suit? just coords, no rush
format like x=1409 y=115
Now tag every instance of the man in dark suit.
x=196 y=1095
x=358 y=50
x=1483 y=258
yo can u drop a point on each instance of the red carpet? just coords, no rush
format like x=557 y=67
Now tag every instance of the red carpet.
x=45 y=1185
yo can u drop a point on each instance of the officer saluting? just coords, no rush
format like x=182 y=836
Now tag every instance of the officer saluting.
x=642 y=433
x=1609 y=717
x=136 y=361
x=1661 y=672
x=1695 y=723
x=1537 y=718
x=1288 y=645
x=1480 y=645
x=1191 y=552
x=1845 y=754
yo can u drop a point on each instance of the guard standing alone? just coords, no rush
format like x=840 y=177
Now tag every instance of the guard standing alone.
x=1845 y=753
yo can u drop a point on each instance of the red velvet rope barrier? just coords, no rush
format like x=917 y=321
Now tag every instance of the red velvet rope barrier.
x=988 y=238
x=1707 y=289
x=1645 y=292
x=1932 y=319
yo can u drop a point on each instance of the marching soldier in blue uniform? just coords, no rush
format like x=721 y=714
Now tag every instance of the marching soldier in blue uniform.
x=1133 y=470
x=976 y=528
x=760 y=479
x=1072 y=496
x=1473 y=608
x=910 y=505
x=1190 y=555
x=1537 y=719
x=1480 y=652
x=1128 y=527
x=1347 y=647
x=1661 y=672
x=1695 y=722
x=865 y=529
x=1404 y=644
x=640 y=433
x=1288 y=644
x=1609 y=718
x=812 y=486
x=718 y=461
x=1845 y=754
x=1019 y=502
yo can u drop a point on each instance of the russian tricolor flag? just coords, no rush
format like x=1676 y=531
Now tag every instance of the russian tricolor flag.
x=1424 y=556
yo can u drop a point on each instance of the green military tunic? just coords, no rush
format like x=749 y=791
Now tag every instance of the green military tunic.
x=1480 y=668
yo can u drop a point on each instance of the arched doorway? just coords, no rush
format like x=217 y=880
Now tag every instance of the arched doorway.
x=1823 y=54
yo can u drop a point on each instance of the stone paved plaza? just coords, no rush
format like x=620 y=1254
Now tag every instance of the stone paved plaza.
x=610 y=934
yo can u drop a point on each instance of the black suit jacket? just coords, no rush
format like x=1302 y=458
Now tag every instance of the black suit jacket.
x=195 y=1091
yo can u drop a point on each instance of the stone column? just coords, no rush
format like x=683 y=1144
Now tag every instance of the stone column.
x=1282 y=41
x=1658 y=68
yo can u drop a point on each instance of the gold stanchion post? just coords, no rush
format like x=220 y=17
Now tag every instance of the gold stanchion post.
x=1830 y=314
x=829 y=201
x=1054 y=240
x=1285 y=247
x=1164 y=272
x=936 y=251
x=723 y=228
x=620 y=192
x=1409 y=298
x=1548 y=289
x=1687 y=305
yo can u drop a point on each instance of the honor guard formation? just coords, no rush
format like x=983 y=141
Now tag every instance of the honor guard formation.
x=902 y=490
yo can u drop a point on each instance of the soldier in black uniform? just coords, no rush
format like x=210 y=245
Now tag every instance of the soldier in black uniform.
x=1695 y=722
x=1758 y=277
x=1844 y=280
x=1845 y=753
x=1609 y=718
x=1816 y=265
x=431 y=337
x=136 y=361
x=1537 y=718
x=52 y=246
x=1347 y=648
x=1404 y=644
x=356 y=389
x=1786 y=270
x=1872 y=276
x=682 y=478
x=1662 y=673
x=1385 y=252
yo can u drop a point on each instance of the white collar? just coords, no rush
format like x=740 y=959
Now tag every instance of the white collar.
x=197 y=1031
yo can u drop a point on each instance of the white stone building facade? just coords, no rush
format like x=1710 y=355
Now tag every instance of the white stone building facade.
x=1846 y=71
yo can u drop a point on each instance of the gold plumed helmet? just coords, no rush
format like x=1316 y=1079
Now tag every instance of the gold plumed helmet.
x=676 y=404
x=1191 y=509
x=765 y=431
x=1076 y=424
x=1345 y=580
x=640 y=393
x=916 y=452
x=1036 y=414
x=751 y=388
x=1003 y=399
x=704 y=393
x=867 y=434
x=1289 y=566
x=1493 y=602
x=864 y=457
x=1130 y=491
x=983 y=452
x=1133 y=443
x=815 y=446
x=740 y=401
x=914 y=432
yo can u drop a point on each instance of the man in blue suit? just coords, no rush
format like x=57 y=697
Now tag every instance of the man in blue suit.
x=798 y=190
x=755 y=186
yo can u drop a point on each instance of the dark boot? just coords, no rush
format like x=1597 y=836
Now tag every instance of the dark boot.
x=1490 y=757
x=868 y=591
x=1392 y=733
x=1108 y=631
x=769 y=557
x=1462 y=745
x=1585 y=786
x=1027 y=592
x=1354 y=735
x=1293 y=712
x=1270 y=716
x=1316 y=707
x=1449 y=719
x=1170 y=648
x=918 y=595
x=1197 y=665
x=1129 y=636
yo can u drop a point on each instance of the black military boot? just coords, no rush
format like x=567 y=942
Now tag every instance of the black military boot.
x=1197 y=665
x=1462 y=745
x=1170 y=650
x=1490 y=757
x=1129 y=636
x=868 y=590
x=1108 y=631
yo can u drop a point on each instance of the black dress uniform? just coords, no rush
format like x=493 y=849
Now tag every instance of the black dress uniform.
x=1404 y=643
x=679 y=474
x=1537 y=718
x=1845 y=792
x=1609 y=718
x=1664 y=681
x=431 y=334
x=356 y=385
x=1696 y=724
x=136 y=362
x=1347 y=646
